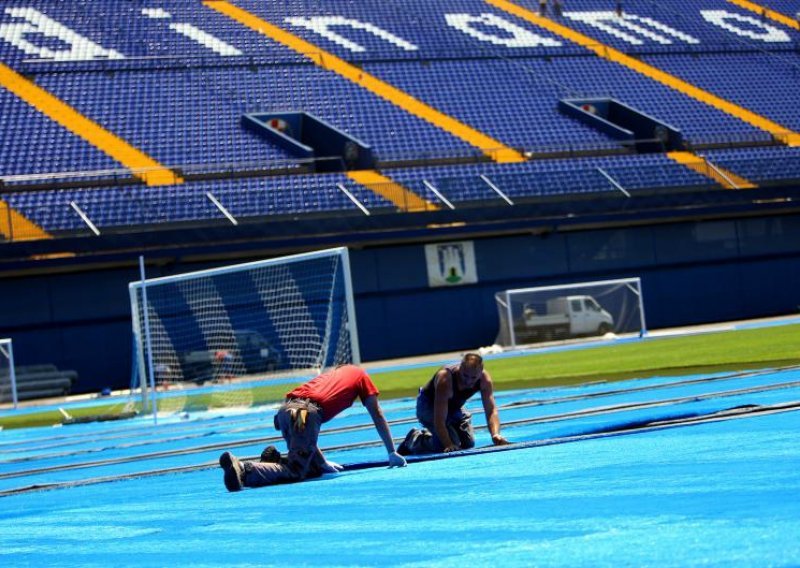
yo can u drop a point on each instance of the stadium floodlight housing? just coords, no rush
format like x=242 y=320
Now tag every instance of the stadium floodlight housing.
x=584 y=309
x=8 y=377
x=238 y=328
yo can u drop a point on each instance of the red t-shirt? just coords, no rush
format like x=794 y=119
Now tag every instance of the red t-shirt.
x=336 y=390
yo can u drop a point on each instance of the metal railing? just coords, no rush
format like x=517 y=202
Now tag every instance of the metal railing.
x=86 y=214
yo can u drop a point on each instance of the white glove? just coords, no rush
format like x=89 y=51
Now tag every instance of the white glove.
x=396 y=460
x=331 y=467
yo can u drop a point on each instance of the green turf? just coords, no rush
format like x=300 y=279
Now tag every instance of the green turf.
x=776 y=346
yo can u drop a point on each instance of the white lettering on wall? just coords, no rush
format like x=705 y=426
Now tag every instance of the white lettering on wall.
x=625 y=26
x=76 y=46
x=323 y=25
x=730 y=21
x=194 y=33
x=520 y=37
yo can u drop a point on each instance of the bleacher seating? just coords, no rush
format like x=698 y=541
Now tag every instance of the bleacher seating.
x=141 y=205
x=786 y=7
x=760 y=164
x=30 y=143
x=552 y=179
x=422 y=23
x=141 y=32
x=770 y=90
x=37 y=381
x=178 y=97
x=517 y=101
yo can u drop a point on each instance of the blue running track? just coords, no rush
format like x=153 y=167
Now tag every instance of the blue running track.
x=578 y=488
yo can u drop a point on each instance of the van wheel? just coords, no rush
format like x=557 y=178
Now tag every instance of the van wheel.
x=603 y=328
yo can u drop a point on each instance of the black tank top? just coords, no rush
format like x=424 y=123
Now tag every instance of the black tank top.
x=460 y=396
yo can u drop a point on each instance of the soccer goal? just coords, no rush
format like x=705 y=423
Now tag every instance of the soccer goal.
x=237 y=329
x=8 y=377
x=549 y=313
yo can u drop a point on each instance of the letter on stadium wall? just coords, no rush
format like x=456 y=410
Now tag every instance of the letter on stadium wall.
x=732 y=22
x=519 y=36
x=77 y=47
x=620 y=27
x=323 y=25
x=193 y=33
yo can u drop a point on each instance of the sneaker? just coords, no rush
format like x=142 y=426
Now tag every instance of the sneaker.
x=270 y=455
x=404 y=449
x=234 y=472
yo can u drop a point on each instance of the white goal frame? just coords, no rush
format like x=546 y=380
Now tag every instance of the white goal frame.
x=566 y=287
x=7 y=352
x=141 y=325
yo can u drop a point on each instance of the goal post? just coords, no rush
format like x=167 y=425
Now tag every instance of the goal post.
x=236 y=329
x=584 y=309
x=8 y=376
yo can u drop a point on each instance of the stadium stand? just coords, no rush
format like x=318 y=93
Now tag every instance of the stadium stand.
x=30 y=143
x=771 y=88
x=761 y=164
x=173 y=80
x=38 y=381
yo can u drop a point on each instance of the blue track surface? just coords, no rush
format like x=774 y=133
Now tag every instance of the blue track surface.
x=713 y=493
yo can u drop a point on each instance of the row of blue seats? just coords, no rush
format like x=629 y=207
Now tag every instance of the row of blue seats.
x=424 y=24
x=788 y=8
x=554 y=178
x=767 y=84
x=492 y=96
x=140 y=30
x=760 y=164
x=705 y=26
x=175 y=115
x=123 y=206
x=138 y=205
x=141 y=107
x=135 y=205
x=134 y=30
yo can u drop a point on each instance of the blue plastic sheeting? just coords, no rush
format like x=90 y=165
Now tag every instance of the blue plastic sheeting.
x=715 y=493
x=200 y=441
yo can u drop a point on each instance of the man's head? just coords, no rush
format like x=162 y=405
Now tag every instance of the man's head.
x=471 y=367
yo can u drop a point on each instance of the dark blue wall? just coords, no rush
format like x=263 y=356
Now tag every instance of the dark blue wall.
x=691 y=273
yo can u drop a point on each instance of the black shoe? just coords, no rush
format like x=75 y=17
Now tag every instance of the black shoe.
x=404 y=449
x=234 y=472
x=270 y=455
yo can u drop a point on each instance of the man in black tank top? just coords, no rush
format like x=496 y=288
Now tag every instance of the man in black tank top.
x=440 y=409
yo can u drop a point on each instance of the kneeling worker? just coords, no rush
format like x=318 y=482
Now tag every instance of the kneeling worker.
x=299 y=419
x=448 y=427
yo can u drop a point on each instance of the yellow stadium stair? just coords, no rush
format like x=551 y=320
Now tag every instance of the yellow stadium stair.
x=768 y=13
x=16 y=227
x=722 y=176
x=141 y=165
x=403 y=198
x=495 y=149
x=778 y=131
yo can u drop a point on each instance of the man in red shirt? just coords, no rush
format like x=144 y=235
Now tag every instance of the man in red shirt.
x=299 y=419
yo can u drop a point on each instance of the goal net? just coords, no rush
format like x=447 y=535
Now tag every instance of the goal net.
x=242 y=332
x=8 y=380
x=549 y=313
